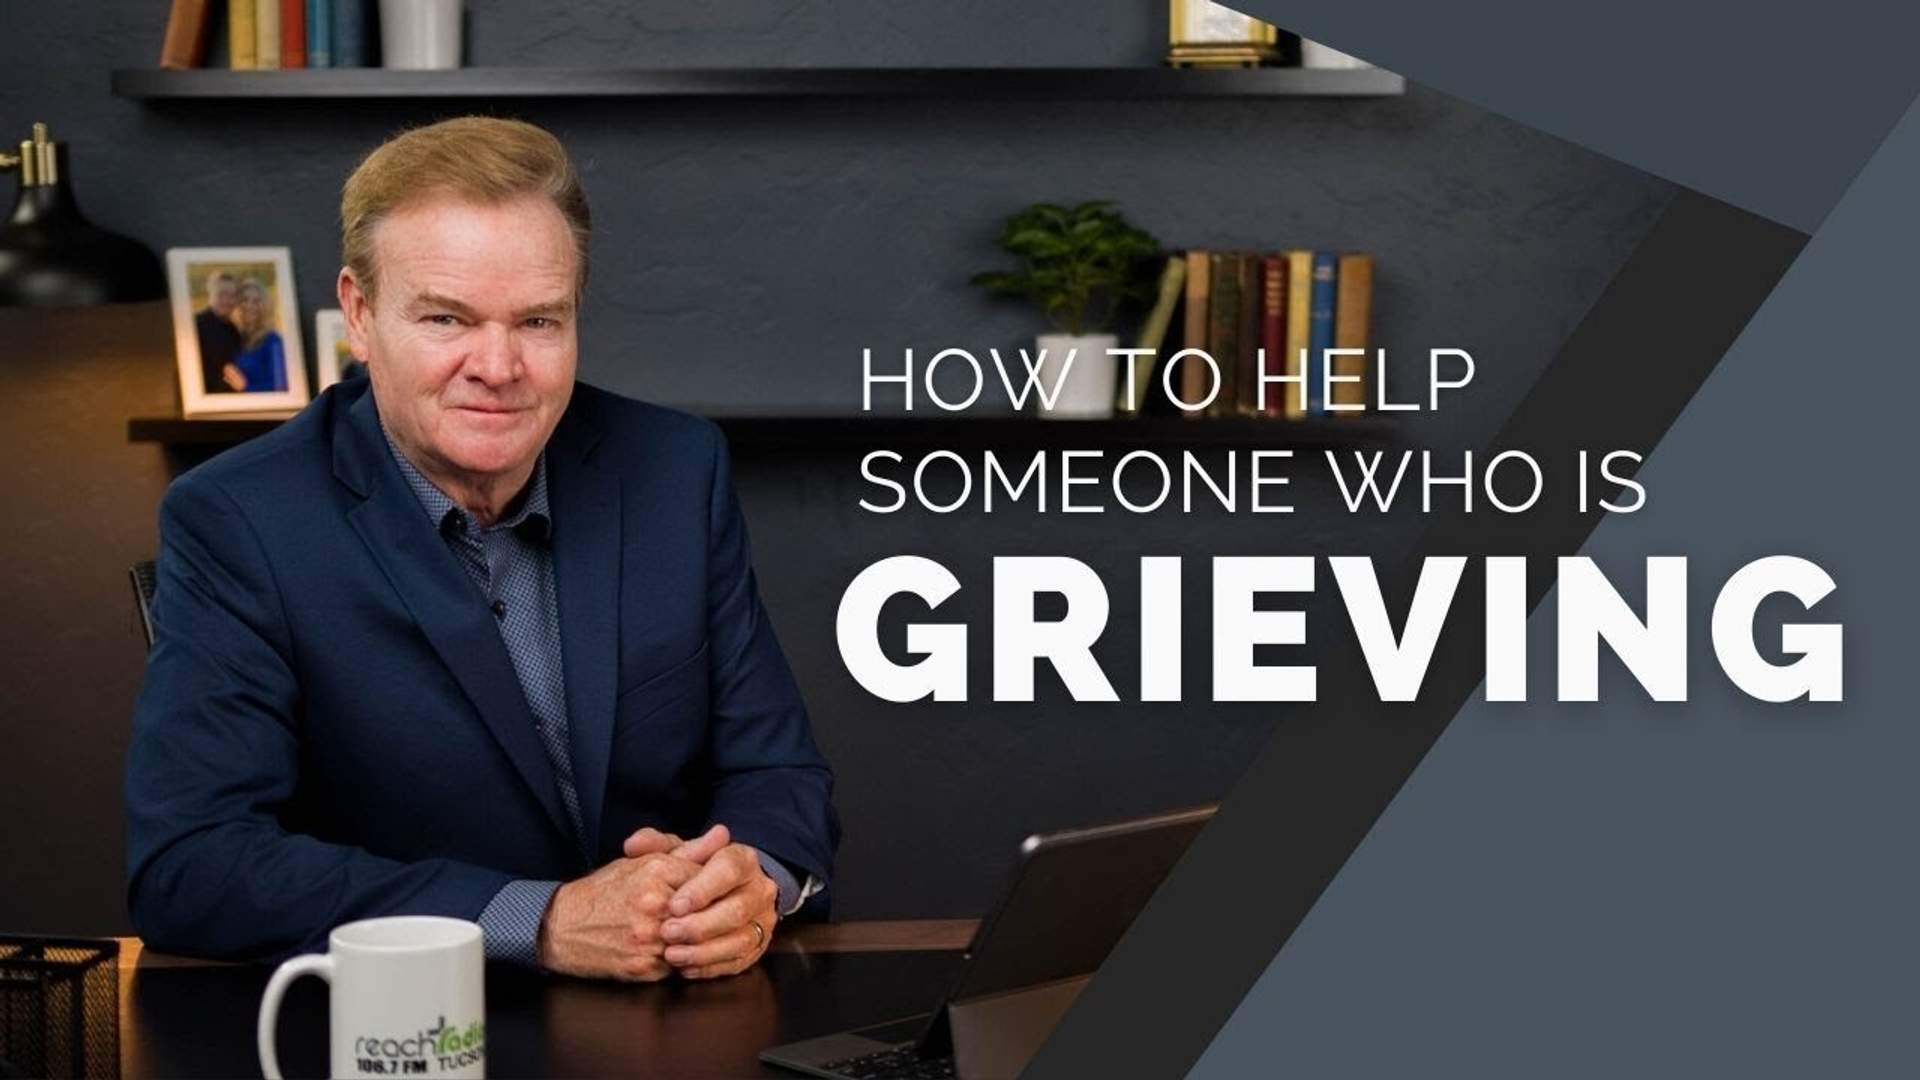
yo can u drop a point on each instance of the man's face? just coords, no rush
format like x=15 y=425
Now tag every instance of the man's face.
x=221 y=297
x=472 y=344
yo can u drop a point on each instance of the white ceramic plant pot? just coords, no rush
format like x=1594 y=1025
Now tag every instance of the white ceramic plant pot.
x=420 y=35
x=1087 y=392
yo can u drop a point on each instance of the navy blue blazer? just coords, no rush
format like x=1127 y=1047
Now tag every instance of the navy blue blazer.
x=331 y=729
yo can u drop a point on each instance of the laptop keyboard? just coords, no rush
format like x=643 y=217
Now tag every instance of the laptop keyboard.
x=893 y=1063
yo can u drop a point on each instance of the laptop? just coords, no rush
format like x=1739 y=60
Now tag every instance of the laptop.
x=1068 y=899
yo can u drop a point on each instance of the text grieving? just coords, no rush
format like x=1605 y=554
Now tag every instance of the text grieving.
x=1652 y=647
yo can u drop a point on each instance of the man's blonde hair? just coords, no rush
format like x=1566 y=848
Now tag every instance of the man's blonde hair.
x=478 y=159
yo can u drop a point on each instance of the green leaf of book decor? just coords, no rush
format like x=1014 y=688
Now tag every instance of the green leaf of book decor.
x=1079 y=265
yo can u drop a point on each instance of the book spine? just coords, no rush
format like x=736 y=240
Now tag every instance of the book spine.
x=319 y=33
x=1299 y=308
x=185 y=45
x=1320 y=332
x=266 y=28
x=1223 y=329
x=242 y=36
x=1153 y=332
x=350 y=33
x=293 y=33
x=1273 y=335
x=1193 y=373
x=1353 y=311
x=1246 y=364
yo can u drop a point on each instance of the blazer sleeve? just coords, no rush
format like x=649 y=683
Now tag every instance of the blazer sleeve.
x=773 y=789
x=214 y=759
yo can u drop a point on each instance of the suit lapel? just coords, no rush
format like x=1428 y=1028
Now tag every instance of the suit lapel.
x=441 y=598
x=586 y=539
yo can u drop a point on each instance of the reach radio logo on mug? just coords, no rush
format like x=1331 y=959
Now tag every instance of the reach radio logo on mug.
x=442 y=1048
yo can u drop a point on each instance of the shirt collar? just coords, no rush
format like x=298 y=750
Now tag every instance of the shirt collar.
x=532 y=519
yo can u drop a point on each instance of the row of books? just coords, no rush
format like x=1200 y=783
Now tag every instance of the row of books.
x=269 y=35
x=1245 y=309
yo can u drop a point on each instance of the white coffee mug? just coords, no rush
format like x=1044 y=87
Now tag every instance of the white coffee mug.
x=420 y=34
x=406 y=997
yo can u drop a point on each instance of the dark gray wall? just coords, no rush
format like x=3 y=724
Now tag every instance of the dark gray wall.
x=744 y=253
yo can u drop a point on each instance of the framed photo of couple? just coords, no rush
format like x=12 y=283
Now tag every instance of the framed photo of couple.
x=333 y=357
x=236 y=328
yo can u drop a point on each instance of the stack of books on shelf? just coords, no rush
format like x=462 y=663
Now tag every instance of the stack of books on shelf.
x=1246 y=309
x=269 y=35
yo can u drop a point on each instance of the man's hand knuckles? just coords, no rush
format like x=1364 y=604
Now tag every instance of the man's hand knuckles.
x=649 y=887
x=634 y=896
x=641 y=903
x=724 y=914
x=647 y=969
x=730 y=913
x=700 y=931
x=649 y=903
x=744 y=859
x=671 y=869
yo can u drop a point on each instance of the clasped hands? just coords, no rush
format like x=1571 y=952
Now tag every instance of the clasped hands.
x=671 y=905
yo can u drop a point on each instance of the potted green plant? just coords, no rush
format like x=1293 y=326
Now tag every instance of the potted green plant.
x=1079 y=265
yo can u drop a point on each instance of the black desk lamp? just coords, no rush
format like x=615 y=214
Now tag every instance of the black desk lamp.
x=50 y=256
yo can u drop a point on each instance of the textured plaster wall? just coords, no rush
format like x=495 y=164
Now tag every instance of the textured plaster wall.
x=744 y=252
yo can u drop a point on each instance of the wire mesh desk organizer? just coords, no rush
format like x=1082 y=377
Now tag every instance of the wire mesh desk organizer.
x=59 y=1007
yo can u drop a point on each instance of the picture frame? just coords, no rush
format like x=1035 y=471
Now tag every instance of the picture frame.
x=236 y=328
x=333 y=359
x=1202 y=33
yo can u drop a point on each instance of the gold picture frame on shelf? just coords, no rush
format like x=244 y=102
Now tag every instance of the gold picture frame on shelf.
x=236 y=330
x=1201 y=33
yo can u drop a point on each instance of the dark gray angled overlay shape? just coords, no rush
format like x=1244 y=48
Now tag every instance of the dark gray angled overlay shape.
x=1718 y=888
x=1330 y=769
x=1773 y=107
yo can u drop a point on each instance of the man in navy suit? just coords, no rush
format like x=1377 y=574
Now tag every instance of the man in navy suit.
x=466 y=637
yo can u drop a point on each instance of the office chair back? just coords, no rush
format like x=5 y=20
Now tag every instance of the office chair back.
x=142 y=574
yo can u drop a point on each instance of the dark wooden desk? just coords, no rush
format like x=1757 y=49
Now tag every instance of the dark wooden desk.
x=182 y=1017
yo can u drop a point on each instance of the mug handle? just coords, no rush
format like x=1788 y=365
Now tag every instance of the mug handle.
x=311 y=964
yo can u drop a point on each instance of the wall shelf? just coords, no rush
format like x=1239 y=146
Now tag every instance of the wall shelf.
x=1033 y=84
x=178 y=431
x=805 y=433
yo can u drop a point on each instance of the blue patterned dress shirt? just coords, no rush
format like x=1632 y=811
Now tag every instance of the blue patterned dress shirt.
x=511 y=564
